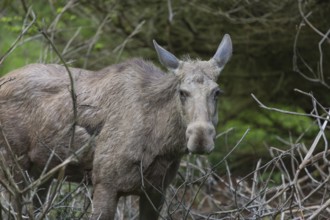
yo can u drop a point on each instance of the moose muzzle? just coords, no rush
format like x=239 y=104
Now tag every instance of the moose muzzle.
x=200 y=137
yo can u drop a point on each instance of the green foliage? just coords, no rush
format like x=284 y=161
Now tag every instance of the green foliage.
x=24 y=54
x=11 y=24
x=70 y=202
x=265 y=128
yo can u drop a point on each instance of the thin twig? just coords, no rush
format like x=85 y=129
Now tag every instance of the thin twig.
x=29 y=13
x=285 y=111
x=72 y=82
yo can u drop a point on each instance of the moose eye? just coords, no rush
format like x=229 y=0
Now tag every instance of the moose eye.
x=216 y=94
x=183 y=95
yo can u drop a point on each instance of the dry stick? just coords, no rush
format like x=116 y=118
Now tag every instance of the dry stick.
x=305 y=161
x=189 y=167
x=42 y=173
x=31 y=14
x=320 y=168
x=95 y=38
x=263 y=190
x=237 y=20
x=46 y=208
x=324 y=109
x=5 y=169
x=9 y=211
x=310 y=94
x=308 y=156
x=24 y=31
x=184 y=185
x=255 y=180
x=51 y=172
x=282 y=191
x=52 y=26
x=312 y=148
x=231 y=185
x=48 y=162
x=283 y=167
x=315 y=103
x=80 y=189
x=224 y=133
x=121 y=47
x=315 y=213
x=72 y=83
x=67 y=46
x=72 y=89
x=316 y=189
x=321 y=54
x=187 y=182
x=248 y=206
x=212 y=171
x=143 y=187
x=170 y=11
x=12 y=155
x=285 y=188
x=284 y=198
x=296 y=55
x=286 y=112
x=29 y=204
x=231 y=151
x=308 y=22
x=162 y=191
x=73 y=193
x=320 y=78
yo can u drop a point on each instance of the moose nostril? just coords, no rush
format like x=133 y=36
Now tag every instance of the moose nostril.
x=209 y=131
x=189 y=132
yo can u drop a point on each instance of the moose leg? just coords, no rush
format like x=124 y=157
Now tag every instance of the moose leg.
x=104 y=202
x=151 y=204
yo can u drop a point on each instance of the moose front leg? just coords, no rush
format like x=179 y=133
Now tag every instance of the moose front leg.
x=104 y=202
x=151 y=203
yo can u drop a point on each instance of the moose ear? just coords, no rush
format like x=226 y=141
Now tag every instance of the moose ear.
x=224 y=52
x=166 y=58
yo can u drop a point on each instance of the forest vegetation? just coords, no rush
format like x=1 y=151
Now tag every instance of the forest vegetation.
x=272 y=148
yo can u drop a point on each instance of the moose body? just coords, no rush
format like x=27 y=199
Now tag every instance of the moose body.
x=136 y=120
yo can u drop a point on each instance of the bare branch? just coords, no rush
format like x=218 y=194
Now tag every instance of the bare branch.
x=29 y=13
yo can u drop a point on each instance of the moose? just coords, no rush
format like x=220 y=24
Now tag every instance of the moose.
x=137 y=121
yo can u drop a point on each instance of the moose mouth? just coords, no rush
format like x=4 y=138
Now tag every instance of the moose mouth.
x=200 y=139
x=199 y=149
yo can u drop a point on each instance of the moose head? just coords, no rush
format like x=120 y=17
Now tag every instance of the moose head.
x=198 y=93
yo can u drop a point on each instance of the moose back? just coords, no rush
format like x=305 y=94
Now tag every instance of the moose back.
x=137 y=120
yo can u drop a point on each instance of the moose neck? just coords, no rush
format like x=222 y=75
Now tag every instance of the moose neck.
x=164 y=117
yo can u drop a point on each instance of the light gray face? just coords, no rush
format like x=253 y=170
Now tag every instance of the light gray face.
x=198 y=99
x=198 y=93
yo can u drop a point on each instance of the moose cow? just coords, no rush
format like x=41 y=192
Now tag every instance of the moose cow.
x=138 y=121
